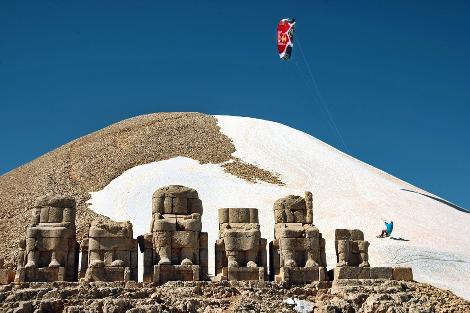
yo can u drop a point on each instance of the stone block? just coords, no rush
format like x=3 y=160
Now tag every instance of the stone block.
x=44 y=274
x=183 y=239
x=158 y=205
x=44 y=215
x=312 y=232
x=55 y=215
x=107 y=274
x=253 y=215
x=298 y=275
x=381 y=273
x=403 y=273
x=100 y=229
x=49 y=244
x=243 y=215
x=246 y=273
x=180 y=205
x=233 y=216
x=352 y=272
x=224 y=215
x=168 y=205
x=242 y=241
x=299 y=244
x=55 y=201
x=164 y=225
x=195 y=206
x=357 y=234
x=164 y=273
x=342 y=234
x=49 y=232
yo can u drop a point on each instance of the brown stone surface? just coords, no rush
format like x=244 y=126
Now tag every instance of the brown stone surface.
x=366 y=296
x=403 y=273
x=381 y=272
x=352 y=272
x=91 y=162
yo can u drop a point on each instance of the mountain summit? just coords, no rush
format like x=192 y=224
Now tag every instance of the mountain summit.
x=242 y=162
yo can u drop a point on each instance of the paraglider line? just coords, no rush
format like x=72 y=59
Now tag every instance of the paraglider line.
x=317 y=95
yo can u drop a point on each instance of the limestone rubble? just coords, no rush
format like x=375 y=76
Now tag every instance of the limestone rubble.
x=365 y=296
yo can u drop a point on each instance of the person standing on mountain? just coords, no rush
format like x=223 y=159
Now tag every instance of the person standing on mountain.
x=388 y=229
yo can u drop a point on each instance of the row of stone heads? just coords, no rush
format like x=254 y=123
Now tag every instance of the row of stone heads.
x=177 y=249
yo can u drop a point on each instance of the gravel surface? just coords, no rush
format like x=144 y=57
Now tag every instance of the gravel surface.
x=366 y=296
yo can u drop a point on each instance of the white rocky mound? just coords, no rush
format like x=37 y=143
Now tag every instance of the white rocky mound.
x=430 y=235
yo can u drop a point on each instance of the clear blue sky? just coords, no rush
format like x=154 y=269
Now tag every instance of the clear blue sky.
x=395 y=75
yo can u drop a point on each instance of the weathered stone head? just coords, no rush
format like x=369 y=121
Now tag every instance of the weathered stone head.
x=294 y=209
x=99 y=228
x=54 y=209
x=175 y=199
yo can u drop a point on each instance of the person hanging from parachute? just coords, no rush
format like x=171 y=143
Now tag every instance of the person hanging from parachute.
x=285 y=37
x=387 y=231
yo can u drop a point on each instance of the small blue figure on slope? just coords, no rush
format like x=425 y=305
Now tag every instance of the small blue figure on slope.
x=387 y=231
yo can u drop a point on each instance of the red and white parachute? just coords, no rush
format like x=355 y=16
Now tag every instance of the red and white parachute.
x=285 y=37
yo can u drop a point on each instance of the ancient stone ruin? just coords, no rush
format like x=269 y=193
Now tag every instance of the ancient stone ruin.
x=109 y=253
x=50 y=250
x=240 y=252
x=297 y=254
x=353 y=259
x=175 y=248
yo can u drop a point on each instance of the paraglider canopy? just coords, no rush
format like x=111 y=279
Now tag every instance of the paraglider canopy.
x=285 y=37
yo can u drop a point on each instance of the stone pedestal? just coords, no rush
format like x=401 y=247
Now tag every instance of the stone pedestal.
x=167 y=272
x=301 y=275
